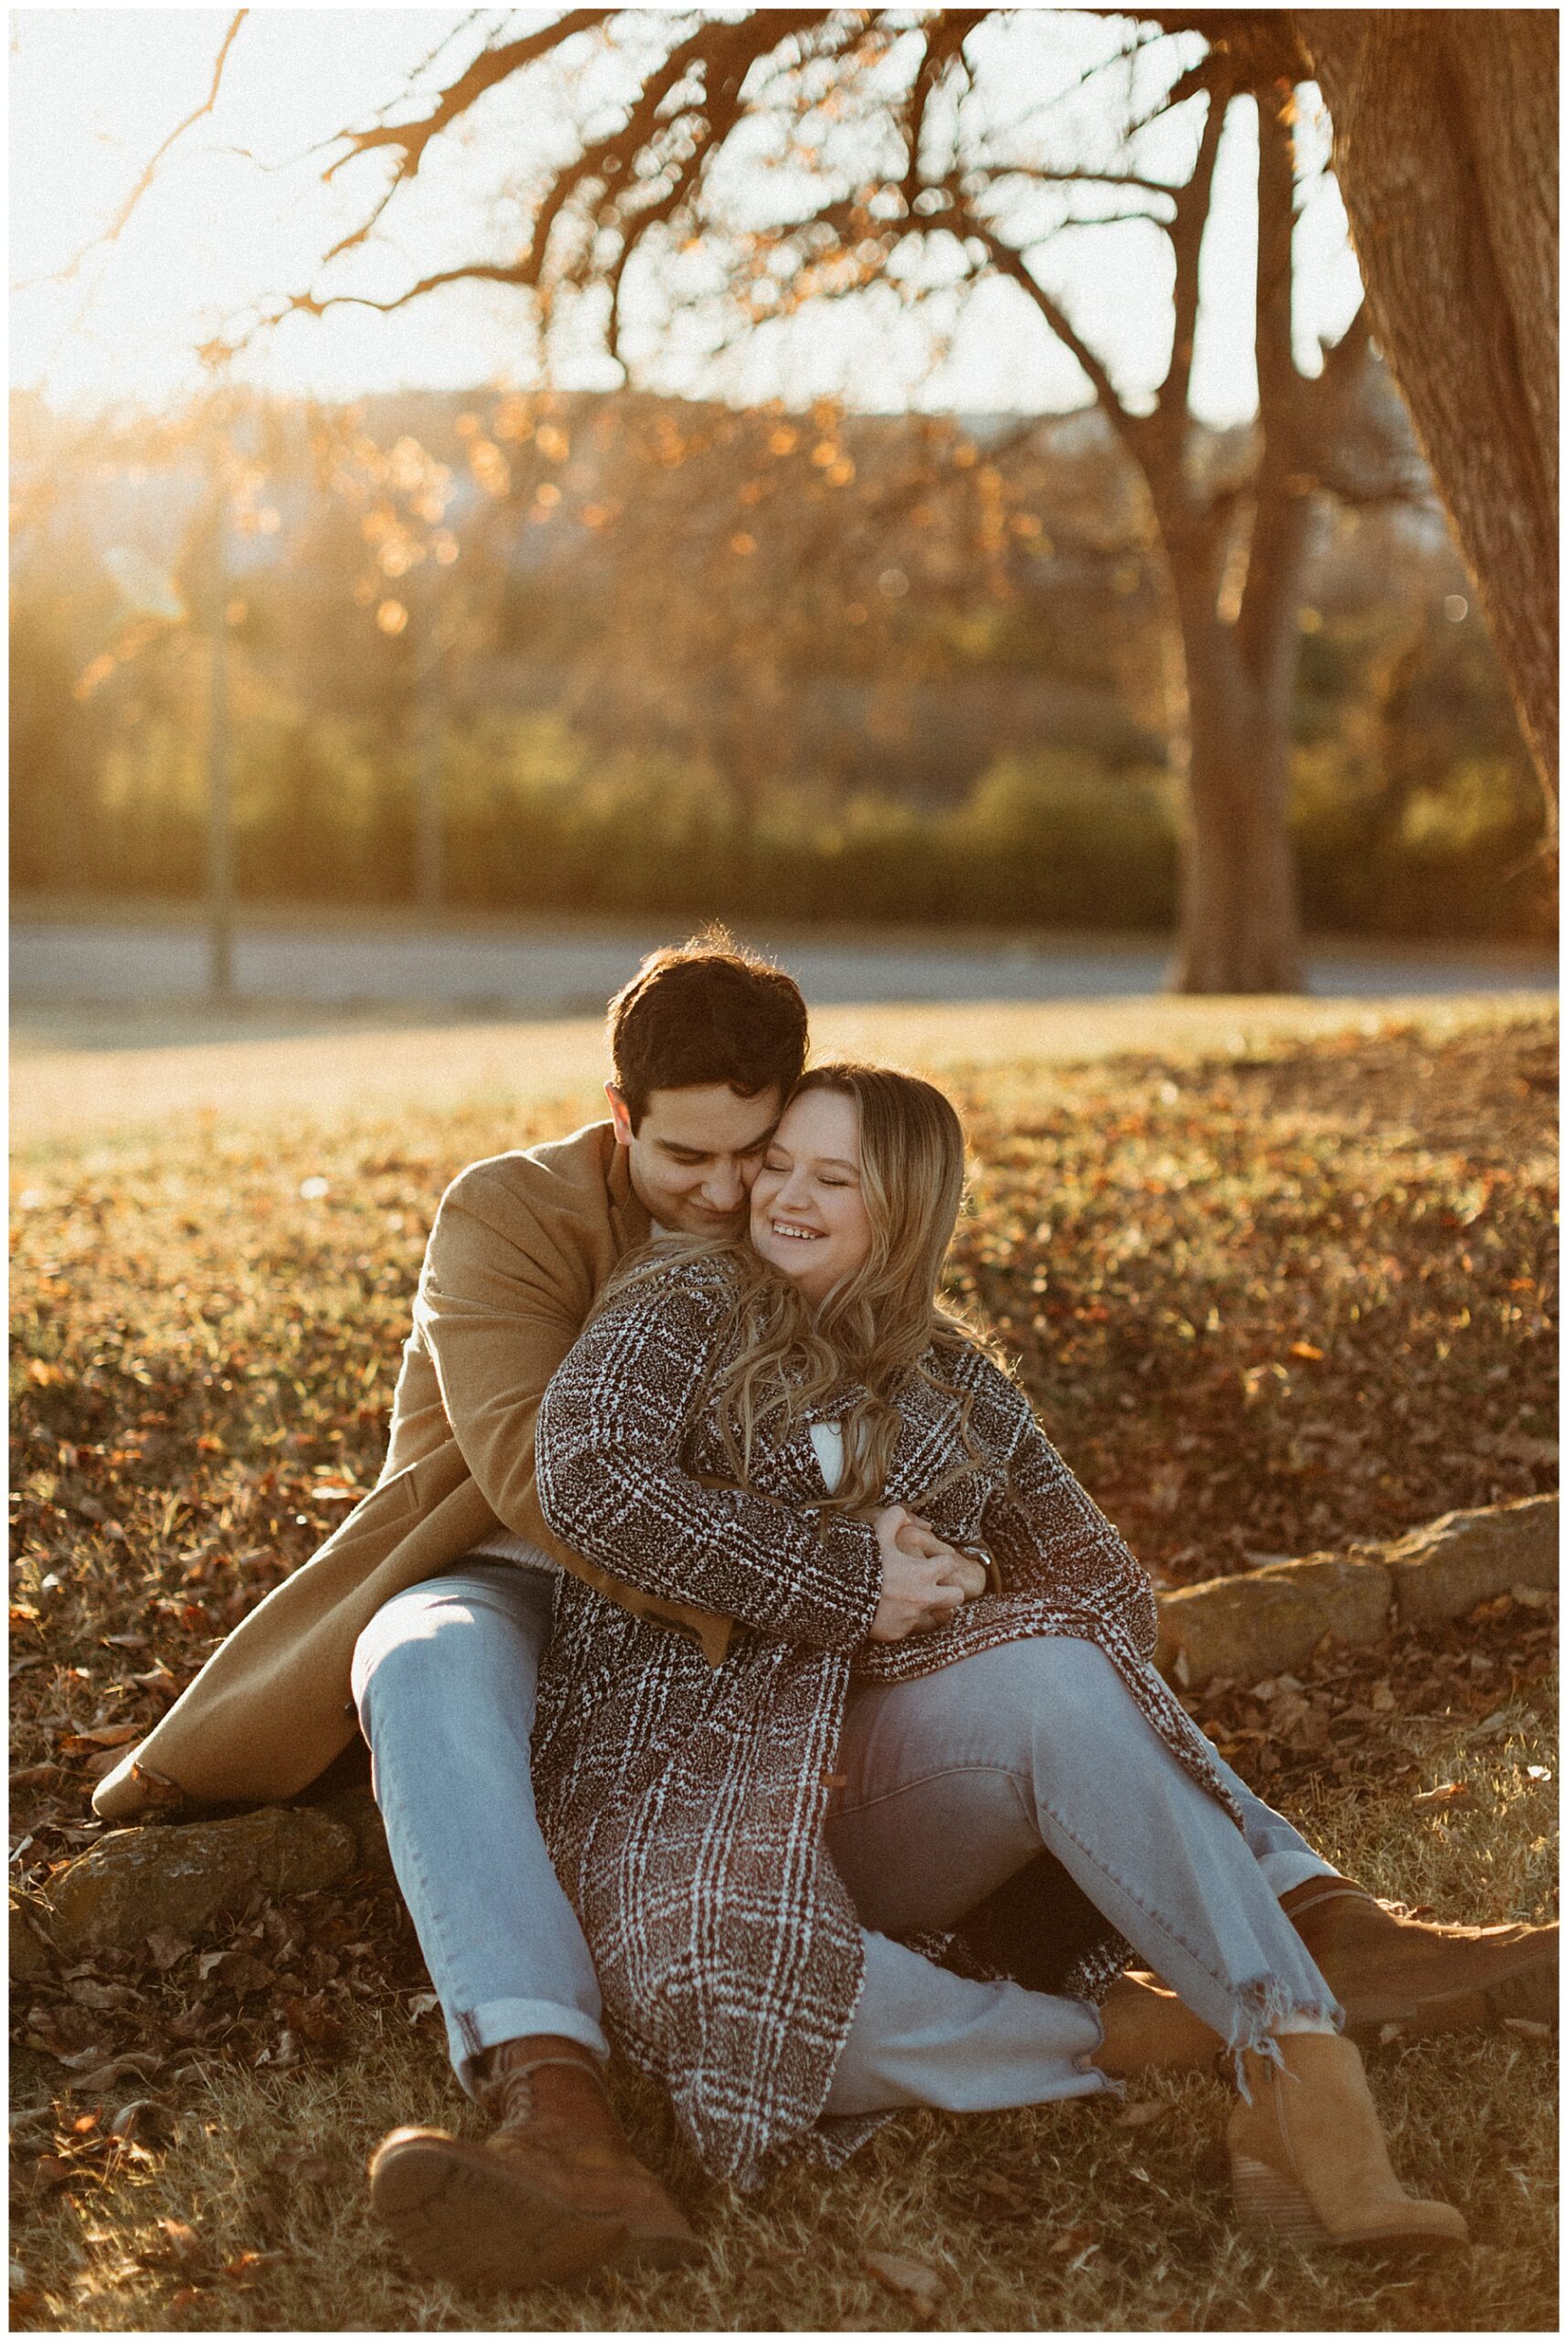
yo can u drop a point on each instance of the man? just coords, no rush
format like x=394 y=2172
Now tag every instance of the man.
x=427 y=1613
x=706 y=1042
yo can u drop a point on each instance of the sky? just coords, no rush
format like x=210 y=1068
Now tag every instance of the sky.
x=239 y=209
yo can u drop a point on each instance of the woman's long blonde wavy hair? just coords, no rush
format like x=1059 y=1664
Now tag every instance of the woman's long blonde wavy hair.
x=881 y=1326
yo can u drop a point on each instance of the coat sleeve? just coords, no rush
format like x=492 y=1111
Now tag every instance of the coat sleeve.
x=502 y=1297
x=608 y=1454
x=1050 y=1536
x=499 y=1304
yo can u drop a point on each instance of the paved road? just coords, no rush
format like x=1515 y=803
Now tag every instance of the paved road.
x=543 y=974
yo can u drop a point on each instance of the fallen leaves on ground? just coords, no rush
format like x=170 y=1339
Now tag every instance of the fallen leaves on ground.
x=1448 y=1796
x=912 y=2280
x=1277 y=1304
x=1341 y=1720
x=277 y=1987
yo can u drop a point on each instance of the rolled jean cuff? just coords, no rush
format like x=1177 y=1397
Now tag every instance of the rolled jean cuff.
x=1087 y=2059
x=473 y=2030
x=1290 y=1866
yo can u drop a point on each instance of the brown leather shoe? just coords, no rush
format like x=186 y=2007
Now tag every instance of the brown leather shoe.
x=1384 y=1969
x=555 y=2193
x=1149 y=2029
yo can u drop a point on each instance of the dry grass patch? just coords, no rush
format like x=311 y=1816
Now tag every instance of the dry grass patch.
x=84 y=1077
x=1062 y=2220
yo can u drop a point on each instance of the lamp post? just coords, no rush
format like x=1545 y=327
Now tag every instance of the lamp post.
x=428 y=833
x=220 y=825
x=150 y=590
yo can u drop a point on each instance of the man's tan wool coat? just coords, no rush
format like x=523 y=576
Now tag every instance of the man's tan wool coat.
x=520 y=1246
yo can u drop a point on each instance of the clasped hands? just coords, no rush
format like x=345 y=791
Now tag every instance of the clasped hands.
x=925 y=1579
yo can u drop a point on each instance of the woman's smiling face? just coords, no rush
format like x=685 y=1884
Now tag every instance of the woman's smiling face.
x=808 y=1214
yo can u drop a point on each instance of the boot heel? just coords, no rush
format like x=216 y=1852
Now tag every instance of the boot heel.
x=1268 y=2203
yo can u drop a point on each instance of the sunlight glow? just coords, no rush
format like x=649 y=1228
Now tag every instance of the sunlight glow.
x=240 y=212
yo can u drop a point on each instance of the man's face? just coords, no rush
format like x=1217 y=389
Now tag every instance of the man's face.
x=695 y=1154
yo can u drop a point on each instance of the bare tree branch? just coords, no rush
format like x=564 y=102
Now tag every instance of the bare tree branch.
x=944 y=42
x=1082 y=178
x=1186 y=232
x=602 y=174
x=1261 y=44
x=1279 y=380
x=1007 y=261
x=312 y=305
x=116 y=228
x=489 y=68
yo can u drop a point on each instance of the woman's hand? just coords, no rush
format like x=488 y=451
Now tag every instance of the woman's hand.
x=924 y=1580
x=916 y=1537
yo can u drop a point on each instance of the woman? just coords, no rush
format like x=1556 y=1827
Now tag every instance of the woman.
x=749 y=1427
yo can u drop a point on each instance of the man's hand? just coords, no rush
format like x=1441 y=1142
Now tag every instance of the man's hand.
x=924 y=1580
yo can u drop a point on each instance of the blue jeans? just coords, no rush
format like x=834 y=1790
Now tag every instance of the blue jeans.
x=445 y=1680
x=955 y=1783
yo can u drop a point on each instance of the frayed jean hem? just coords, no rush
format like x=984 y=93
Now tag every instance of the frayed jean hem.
x=1263 y=2010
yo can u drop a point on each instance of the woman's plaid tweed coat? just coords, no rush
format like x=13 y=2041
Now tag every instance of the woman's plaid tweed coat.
x=683 y=1803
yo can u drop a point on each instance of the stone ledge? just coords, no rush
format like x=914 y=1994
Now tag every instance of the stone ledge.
x=1269 y=1621
x=1443 y=1570
x=182 y=1876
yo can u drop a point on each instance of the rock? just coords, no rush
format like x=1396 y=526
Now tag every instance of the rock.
x=1274 y=1619
x=30 y=1959
x=137 y=1879
x=1443 y=1570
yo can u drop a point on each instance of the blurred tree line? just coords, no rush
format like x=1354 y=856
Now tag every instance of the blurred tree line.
x=619 y=652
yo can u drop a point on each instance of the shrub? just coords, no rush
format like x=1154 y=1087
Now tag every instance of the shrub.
x=534 y=818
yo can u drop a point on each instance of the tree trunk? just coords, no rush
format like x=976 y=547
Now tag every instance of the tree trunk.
x=1446 y=151
x=1240 y=927
x=1240 y=924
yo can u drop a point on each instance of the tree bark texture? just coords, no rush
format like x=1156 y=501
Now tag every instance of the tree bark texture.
x=1446 y=151
x=1239 y=924
x=1237 y=603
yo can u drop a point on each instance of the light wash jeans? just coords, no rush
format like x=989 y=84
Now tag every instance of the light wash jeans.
x=445 y=1679
x=955 y=1783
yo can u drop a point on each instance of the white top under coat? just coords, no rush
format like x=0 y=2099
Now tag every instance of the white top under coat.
x=828 y=1441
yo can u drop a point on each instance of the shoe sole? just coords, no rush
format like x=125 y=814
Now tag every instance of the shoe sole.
x=1527 y=1995
x=451 y=2216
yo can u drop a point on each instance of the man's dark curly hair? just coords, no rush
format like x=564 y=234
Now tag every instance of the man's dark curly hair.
x=702 y=1012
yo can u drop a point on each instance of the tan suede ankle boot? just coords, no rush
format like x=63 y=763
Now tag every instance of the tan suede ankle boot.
x=1423 y=1975
x=1308 y=2158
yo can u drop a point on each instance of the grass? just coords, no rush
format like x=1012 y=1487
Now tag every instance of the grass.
x=283 y=1066
x=1268 y=1298
x=1063 y=2218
